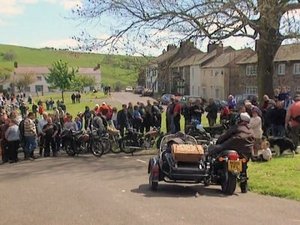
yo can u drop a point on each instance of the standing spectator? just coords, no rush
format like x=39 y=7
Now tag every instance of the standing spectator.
x=47 y=104
x=73 y=97
x=176 y=116
x=12 y=135
x=78 y=96
x=87 y=116
x=41 y=135
x=114 y=116
x=122 y=118
x=23 y=109
x=212 y=112
x=292 y=120
x=29 y=99
x=61 y=116
x=130 y=113
x=51 y=103
x=148 y=116
x=197 y=110
x=41 y=108
x=34 y=109
x=63 y=106
x=186 y=111
x=30 y=134
x=143 y=115
x=256 y=125
x=50 y=130
x=156 y=112
x=169 y=115
x=277 y=119
x=231 y=102
x=4 y=144
x=70 y=124
x=137 y=118
x=78 y=123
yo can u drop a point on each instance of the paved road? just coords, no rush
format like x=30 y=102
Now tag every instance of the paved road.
x=124 y=97
x=113 y=190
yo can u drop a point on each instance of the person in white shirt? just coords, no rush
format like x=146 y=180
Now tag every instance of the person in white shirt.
x=256 y=125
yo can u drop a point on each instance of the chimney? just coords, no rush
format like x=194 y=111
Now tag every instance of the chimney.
x=215 y=46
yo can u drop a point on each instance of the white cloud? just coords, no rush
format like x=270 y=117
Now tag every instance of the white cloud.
x=69 y=4
x=59 y=43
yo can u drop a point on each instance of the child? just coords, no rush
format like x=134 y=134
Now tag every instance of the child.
x=266 y=154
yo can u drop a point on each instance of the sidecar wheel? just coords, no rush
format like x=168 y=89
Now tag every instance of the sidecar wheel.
x=153 y=184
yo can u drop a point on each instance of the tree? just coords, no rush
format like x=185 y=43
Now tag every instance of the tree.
x=61 y=76
x=24 y=81
x=268 y=22
x=9 y=56
x=82 y=81
x=5 y=74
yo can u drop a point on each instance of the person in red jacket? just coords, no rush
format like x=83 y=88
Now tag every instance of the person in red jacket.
x=292 y=120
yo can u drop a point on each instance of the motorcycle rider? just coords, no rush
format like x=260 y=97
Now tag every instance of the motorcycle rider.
x=239 y=137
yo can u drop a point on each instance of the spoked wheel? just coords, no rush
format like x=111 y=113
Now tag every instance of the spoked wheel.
x=115 y=145
x=228 y=182
x=97 y=149
x=68 y=148
x=125 y=146
x=106 y=145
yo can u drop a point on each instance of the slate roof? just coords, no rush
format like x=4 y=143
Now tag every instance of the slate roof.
x=289 y=52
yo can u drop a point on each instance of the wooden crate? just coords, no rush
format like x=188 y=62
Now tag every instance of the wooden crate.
x=186 y=152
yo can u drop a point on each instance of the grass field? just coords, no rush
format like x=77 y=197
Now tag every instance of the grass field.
x=280 y=177
x=123 y=69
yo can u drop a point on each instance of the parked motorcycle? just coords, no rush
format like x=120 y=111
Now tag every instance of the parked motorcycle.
x=80 y=142
x=133 y=140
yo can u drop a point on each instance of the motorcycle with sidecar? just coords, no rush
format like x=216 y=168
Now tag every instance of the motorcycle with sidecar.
x=182 y=160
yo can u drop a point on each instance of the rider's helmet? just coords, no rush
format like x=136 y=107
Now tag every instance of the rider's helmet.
x=244 y=117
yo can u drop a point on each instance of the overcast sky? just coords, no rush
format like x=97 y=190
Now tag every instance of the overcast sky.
x=45 y=23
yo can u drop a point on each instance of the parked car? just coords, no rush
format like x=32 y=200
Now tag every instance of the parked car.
x=147 y=92
x=138 y=90
x=129 y=89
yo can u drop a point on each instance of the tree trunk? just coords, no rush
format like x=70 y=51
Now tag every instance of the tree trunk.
x=62 y=96
x=266 y=51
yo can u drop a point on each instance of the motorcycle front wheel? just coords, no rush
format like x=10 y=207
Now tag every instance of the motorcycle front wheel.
x=97 y=149
x=68 y=148
x=125 y=146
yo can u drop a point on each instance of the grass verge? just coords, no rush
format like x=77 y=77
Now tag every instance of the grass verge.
x=280 y=177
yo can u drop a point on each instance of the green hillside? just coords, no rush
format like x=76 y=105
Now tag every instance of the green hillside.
x=114 y=68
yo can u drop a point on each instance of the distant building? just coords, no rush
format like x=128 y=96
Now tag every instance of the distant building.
x=286 y=70
x=39 y=73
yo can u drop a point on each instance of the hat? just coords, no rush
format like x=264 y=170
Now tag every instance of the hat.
x=245 y=117
x=103 y=103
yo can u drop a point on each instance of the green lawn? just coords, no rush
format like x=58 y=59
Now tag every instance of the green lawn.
x=280 y=177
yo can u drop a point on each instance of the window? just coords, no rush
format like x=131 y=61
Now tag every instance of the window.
x=297 y=68
x=217 y=93
x=193 y=90
x=39 y=78
x=251 y=70
x=297 y=89
x=251 y=90
x=281 y=69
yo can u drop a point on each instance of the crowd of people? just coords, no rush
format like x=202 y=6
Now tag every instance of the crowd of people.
x=22 y=127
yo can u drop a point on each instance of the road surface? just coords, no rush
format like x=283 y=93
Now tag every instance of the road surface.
x=113 y=190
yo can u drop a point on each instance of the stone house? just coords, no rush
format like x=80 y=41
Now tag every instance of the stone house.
x=286 y=70
x=164 y=75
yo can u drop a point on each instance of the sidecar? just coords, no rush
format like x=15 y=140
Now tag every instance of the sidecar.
x=180 y=160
